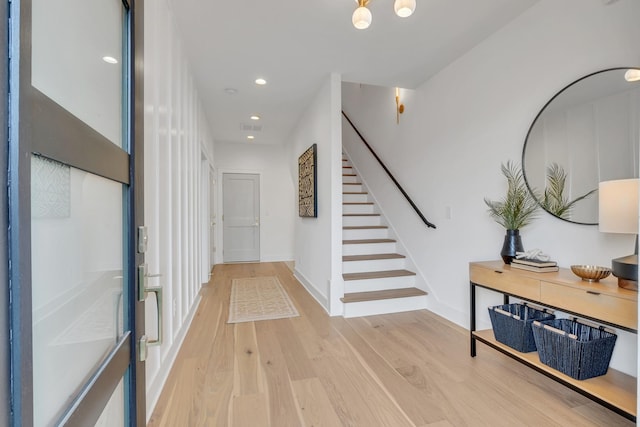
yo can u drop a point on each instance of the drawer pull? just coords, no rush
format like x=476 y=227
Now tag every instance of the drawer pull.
x=593 y=293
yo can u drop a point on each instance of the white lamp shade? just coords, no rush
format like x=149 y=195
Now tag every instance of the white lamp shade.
x=632 y=75
x=404 y=8
x=361 y=18
x=618 y=206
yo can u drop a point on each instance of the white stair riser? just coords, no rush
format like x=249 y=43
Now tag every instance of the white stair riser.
x=360 y=220
x=355 y=198
x=348 y=169
x=350 y=179
x=369 y=248
x=358 y=209
x=370 y=285
x=373 y=265
x=396 y=305
x=367 y=233
x=350 y=188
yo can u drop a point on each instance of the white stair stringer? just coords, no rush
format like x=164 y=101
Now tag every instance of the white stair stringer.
x=375 y=270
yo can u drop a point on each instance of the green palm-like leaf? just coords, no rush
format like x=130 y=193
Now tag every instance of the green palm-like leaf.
x=518 y=208
x=554 y=200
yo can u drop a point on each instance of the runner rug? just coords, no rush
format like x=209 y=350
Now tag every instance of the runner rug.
x=259 y=298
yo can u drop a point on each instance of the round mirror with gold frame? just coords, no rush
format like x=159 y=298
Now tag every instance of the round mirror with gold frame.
x=587 y=133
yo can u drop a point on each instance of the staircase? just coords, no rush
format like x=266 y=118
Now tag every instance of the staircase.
x=375 y=276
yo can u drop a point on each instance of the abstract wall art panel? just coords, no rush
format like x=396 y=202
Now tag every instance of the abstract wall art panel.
x=307 y=183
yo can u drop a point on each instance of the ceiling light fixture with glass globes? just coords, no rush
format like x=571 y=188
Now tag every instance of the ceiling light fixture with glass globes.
x=361 y=17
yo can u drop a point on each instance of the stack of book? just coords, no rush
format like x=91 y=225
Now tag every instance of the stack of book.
x=531 y=264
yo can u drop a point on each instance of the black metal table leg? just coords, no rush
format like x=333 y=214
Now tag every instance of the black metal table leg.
x=472 y=322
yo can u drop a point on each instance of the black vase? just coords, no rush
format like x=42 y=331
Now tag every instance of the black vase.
x=512 y=244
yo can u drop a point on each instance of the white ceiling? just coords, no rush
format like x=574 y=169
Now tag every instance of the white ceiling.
x=295 y=44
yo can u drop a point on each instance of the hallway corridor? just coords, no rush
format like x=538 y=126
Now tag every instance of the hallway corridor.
x=407 y=369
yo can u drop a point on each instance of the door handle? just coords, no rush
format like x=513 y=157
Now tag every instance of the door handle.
x=143 y=290
x=158 y=291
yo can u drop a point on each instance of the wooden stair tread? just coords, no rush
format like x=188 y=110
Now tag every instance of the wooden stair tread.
x=354 y=192
x=362 y=214
x=349 y=174
x=364 y=227
x=366 y=241
x=357 y=203
x=372 y=257
x=385 y=274
x=380 y=295
x=351 y=183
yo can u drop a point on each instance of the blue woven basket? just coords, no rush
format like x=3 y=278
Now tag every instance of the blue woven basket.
x=576 y=349
x=512 y=325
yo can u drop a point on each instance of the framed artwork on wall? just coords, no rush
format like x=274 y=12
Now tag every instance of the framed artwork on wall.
x=307 y=184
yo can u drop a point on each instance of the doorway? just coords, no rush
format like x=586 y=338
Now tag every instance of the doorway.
x=241 y=217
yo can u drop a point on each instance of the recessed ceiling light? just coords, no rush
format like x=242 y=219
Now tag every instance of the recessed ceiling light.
x=230 y=91
x=260 y=81
x=110 y=59
x=632 y=75
x=251 y=137
x=255 y=117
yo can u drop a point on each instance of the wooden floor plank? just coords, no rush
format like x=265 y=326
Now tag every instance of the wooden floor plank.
x=405 y=369
x=418 y=407
x=282 y=406
x=247 y=370
x=314 y=404
x=250 y=411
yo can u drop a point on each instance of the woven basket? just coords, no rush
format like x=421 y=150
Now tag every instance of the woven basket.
x=574 y=348
x=512 y=325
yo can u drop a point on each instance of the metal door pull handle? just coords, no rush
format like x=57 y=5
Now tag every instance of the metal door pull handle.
x=158 y=291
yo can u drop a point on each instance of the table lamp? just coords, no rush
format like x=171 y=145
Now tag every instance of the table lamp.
x=618 y=213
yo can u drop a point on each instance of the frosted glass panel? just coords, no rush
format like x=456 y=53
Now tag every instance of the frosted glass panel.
x=77 y=260
x=70 y=39
x=113 y=414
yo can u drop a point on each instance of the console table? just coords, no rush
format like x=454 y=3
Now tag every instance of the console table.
x=602 y=302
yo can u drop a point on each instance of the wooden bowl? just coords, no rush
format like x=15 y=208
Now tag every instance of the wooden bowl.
x=590 y=273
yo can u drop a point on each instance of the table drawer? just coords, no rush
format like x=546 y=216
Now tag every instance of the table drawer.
x=608 y=308
x=504 y=281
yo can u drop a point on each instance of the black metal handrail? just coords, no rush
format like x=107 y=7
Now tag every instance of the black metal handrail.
x=404 y=193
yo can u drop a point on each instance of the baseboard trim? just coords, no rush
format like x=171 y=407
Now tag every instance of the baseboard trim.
x=315 y=293
x=154 y=390
x=277 y=258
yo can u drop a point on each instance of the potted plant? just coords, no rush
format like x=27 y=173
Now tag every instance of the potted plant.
x=514 y=211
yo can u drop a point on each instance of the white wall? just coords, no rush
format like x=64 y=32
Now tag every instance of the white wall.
x=318 y=241
x=277 y=201
x=176 y=139
x=461 y=124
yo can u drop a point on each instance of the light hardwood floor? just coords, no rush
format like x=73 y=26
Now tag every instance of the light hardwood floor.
x=409 y=369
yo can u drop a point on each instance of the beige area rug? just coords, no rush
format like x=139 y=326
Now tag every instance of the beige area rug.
x=259 y=298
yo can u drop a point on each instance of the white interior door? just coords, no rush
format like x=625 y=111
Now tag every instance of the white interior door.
x=241 y=217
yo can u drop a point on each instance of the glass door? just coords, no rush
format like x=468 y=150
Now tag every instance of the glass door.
x=75 y=213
